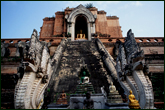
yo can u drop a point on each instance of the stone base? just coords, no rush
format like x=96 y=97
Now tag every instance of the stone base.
x=76 y=101
x=57 y=106
x=82 y=88
x=62 y=101
x=81 y=39
x=114 y=98
x=116 y=106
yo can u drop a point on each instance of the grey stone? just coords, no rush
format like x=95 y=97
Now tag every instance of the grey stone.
x=4 y=49
x=130 y=62
x=76 y=101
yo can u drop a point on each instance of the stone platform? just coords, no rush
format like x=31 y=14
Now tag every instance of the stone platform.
x=76 y=101
x=57 y=106
x=81 y=88
x=116 y=106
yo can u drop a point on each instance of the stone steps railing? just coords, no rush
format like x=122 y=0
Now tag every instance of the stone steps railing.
x=138 y=39
x=103 y=39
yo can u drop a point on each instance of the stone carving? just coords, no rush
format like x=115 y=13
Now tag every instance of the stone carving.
x=146 y=69
x=104 y=93
x=116 y=48
x=36 y=49
x=22 y=49
x=107 y=58
x=152 y=51
x=35 y=72
x=132 y=49
x=81 y=10
x=132 y=72
x=88 y=102
x=4 y=49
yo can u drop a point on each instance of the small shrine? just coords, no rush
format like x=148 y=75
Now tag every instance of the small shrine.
x=114 y=96
x=62 y=99
x=84 y=86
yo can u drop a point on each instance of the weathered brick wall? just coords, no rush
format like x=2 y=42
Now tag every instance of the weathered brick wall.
x=113 y=27
x=8 y=81
x=107 y=24
x=154 y=46
x=104 y=24
x=101 y=23
x=48 y=27
x=59 y=23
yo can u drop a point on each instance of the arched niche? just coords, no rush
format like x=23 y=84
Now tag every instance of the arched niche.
x=76 y=13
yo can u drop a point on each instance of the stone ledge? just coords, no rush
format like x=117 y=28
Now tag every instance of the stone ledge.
x=93 y=9
x=112 y=17
x=60 y=13
x=101 y=12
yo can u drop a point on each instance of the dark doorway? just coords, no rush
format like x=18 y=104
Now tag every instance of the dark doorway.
x=81 y=27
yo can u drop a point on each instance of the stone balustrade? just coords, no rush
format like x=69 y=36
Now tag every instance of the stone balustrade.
x=47 y=39
x=138 y=39
x=103 y=39
x=108 y=42
x=13 y=41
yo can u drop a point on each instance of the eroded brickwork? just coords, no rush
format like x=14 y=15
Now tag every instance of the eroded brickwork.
x=56 y=26
x=59 y=23
x=48 y=27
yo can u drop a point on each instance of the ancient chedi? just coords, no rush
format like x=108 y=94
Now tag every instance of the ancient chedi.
x=65 y=58
x=80 y=22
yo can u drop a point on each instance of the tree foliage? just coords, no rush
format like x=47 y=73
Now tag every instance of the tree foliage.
x=89 y=5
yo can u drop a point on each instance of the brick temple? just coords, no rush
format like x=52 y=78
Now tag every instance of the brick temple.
x=82 y=23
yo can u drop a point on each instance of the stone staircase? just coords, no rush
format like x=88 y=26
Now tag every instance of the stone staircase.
x=66 y=76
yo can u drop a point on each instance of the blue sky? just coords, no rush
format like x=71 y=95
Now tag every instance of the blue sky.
x=145 y=18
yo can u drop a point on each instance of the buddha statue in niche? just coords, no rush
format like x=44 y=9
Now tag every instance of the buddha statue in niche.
x=81 y=35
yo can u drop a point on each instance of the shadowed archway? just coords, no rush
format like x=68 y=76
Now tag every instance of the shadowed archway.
x=88 y=21
x=81 y=27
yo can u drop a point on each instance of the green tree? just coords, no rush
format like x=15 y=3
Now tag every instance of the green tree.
x=89 y=5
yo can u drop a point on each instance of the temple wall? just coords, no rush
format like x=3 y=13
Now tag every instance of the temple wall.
x=113 y=27
x=9 y=68
x=112 y=22
x=153 y=50
x=151 y=47
x=59 y=23
x=156 y=68
x=94 y=12
x=47 y=28
x=147 y=50
x=101 y=23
